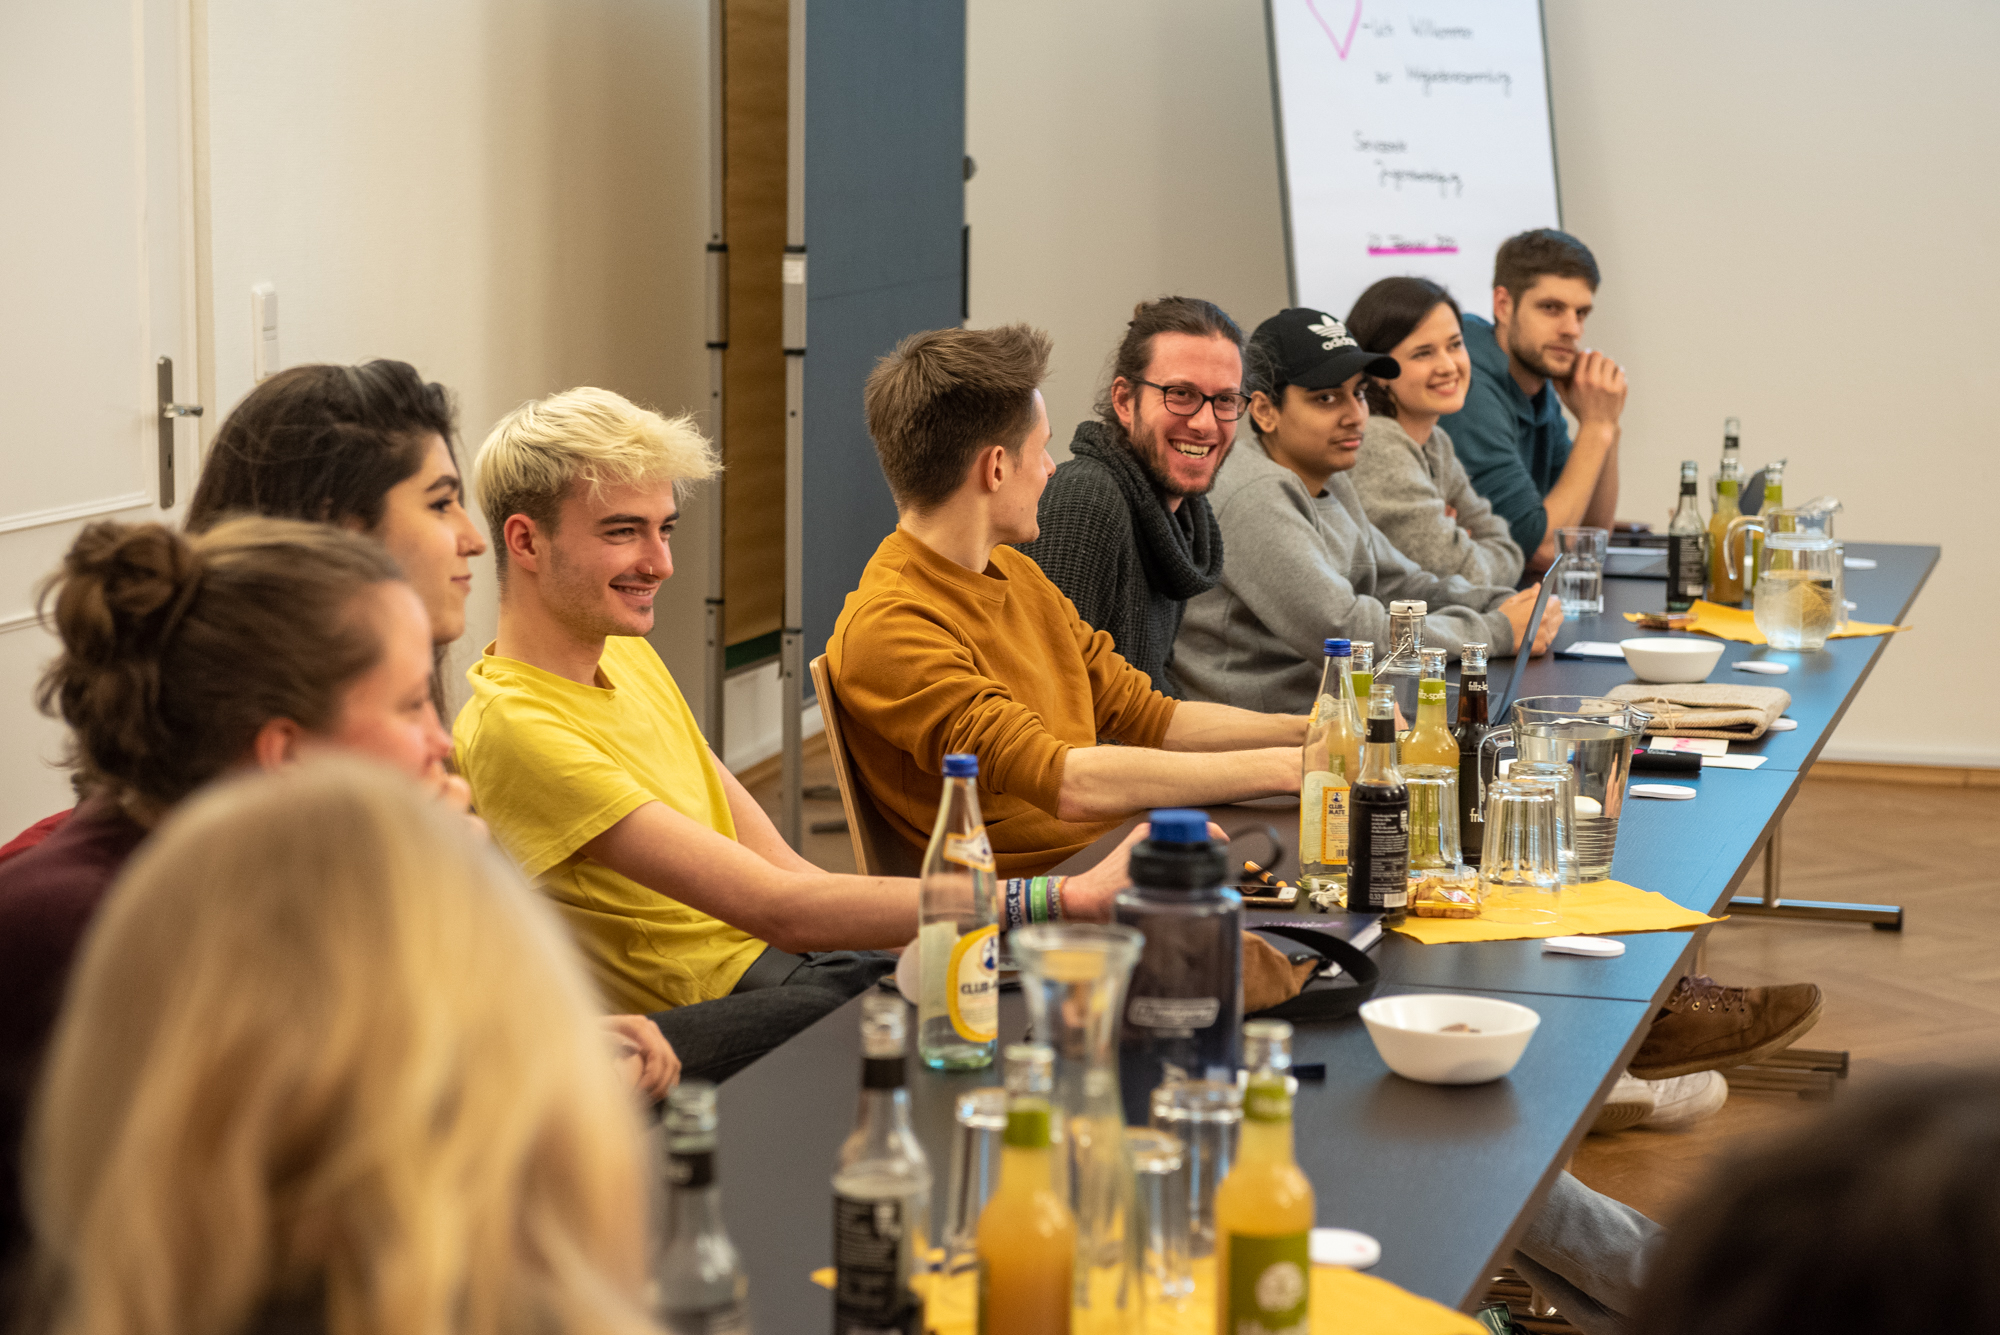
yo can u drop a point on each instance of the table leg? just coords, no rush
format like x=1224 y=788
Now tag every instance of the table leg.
x=1883 y=917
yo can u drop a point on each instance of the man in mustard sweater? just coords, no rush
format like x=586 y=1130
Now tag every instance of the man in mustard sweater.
x=955 y=642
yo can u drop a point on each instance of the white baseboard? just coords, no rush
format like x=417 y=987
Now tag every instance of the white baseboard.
x=1870 y=753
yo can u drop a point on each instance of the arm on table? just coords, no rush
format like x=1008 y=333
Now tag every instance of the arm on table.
x=1102 y=782
x=1200 y=726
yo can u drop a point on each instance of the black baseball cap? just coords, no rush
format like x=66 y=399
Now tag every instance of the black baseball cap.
x=1314 y=351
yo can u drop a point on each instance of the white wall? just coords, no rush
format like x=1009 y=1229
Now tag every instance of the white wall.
x=1793 y=205
x=511 y=197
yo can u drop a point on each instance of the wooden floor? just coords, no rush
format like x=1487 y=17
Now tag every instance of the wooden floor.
x=1928 y=996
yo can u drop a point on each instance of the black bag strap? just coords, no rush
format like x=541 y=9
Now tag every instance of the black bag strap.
x=1334 y=1001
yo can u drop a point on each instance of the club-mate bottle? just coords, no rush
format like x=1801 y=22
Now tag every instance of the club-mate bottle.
x=699 y=1276
x=1687 y=544
x=1264 y=1207
x=1724 y=587
x=958 y=1008
x=1027 y=1235
x=1378 y=839
x=1469 y=732
x=1332 y=754
x=881 y=1190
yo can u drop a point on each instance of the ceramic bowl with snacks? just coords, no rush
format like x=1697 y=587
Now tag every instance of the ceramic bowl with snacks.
x=1441 y=1039
x=1672 y=658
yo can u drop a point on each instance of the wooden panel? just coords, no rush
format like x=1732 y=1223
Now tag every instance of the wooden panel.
x=753 y=403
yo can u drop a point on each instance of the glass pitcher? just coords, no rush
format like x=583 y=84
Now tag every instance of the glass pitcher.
x=1075 y=976
x=1594 y=737
x=1816 y=516
x=1799 y=590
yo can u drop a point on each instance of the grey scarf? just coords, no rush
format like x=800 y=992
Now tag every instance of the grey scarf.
x=1180 y=550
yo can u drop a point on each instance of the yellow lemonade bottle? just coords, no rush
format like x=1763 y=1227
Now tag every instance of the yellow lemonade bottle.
x=1027 y=1236
x=1264 y=1208
x=1430 y=741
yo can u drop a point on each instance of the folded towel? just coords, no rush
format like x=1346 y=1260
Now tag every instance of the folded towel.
x=1706 y=709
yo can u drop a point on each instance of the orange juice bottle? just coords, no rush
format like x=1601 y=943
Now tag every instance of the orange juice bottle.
x=1264 y=1208
x=1027 y=1236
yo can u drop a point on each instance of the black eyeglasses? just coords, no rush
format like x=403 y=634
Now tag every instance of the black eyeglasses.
x=1186 y=401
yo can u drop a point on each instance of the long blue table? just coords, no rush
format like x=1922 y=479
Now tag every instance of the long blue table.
x=1445 y=1178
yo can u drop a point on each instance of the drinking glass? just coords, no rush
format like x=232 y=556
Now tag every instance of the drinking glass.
x=1158 y=1161
x=1204 y=1115
x=1520 y=877
x=1580 y=583
x=1562 y=776
x=1433 y=816
x=978 y=1130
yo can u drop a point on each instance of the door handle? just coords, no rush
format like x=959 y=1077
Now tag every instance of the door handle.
x=170 y=412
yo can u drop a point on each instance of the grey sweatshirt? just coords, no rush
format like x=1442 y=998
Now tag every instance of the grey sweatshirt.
x=1405 y=487
x=1301 y=569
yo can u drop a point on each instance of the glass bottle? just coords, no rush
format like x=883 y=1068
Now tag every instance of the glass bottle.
x=1264 y=1208
x=699 y=1277
x=1184 y=1009
x=1724 y=585
x=881 y=1190
x=1467 y=733
x=1074 y=975
x=1687 y=542
x=1429 y=741
x=1402 y=670
x=958 y=1008
x=1378 y=840
x=1332 y=752
x=1027 y=1235
x=1364 y=681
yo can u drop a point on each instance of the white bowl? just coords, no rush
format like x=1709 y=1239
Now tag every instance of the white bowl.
x=1408 y=1033
x=1665 y=658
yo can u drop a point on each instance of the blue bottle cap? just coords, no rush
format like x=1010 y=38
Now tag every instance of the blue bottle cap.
x=961 y=767
x=1178 y=825
x=1340 y=648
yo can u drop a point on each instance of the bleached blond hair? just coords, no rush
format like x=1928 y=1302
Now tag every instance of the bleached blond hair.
x=582 y=437
x=325 y=1050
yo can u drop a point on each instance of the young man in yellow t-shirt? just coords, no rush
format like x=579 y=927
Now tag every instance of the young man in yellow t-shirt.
x=956 y=642
x=588 y=766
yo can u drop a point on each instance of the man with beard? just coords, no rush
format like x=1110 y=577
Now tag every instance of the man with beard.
x=1529 y=364
x=1127 y=531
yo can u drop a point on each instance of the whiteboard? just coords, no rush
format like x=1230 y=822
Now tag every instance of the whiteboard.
x=1413 y=138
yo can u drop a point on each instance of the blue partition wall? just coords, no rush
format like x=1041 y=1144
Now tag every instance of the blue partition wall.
x=884 y=217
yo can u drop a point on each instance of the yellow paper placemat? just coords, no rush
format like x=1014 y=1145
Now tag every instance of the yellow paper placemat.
x=1740 y=624
x=1600 y=908
x=1343 y=1301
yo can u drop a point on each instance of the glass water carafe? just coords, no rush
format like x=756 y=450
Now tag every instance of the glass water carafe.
x=1798 y=586
x=1075 y=976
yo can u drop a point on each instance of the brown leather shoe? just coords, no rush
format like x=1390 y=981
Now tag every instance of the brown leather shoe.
x=1706 y=1026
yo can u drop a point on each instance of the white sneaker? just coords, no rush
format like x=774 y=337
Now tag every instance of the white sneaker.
x=1631 y=1102
x=1685 y=1100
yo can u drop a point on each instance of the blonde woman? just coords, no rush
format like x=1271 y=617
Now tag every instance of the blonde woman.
x=327 y=1065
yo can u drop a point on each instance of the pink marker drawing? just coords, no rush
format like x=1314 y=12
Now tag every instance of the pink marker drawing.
x=1353 y=25
x=1413 y=250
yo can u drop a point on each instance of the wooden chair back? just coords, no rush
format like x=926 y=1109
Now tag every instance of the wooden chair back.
x=878 y=849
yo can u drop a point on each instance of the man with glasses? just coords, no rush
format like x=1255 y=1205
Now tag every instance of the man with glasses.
x=1127 y=532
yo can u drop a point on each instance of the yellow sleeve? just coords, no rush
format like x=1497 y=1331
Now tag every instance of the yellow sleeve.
x=542 y=787
x=918 y=689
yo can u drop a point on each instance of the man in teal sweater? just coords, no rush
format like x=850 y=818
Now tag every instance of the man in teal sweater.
x=1528 y=364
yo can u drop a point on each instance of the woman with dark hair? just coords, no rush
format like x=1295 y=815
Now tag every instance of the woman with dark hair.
x=1883 y=1216
x=367 y=448
x=1410 y=481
